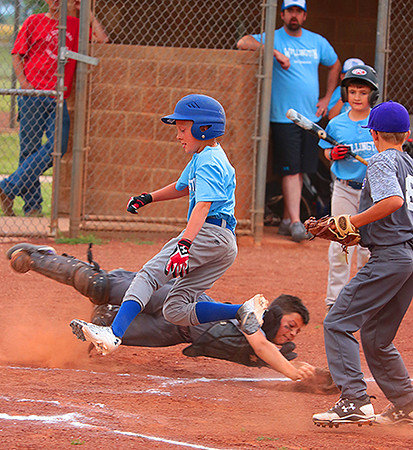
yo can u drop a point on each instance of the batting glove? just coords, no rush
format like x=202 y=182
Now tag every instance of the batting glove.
x=178 y=261
x=339 y=152
x=140 y=201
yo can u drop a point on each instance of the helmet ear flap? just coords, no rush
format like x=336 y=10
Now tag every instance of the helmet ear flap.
x=344 y=96
x=373 y=97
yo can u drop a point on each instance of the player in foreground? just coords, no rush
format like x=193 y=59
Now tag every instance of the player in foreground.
x=204 y=250
x=377 y=298
x=283 y=320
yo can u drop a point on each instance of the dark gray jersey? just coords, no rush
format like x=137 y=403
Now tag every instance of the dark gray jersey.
x=389 y=173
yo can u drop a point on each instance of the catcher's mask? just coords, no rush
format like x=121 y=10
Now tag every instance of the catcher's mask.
x=203 y=111
x=364 y=75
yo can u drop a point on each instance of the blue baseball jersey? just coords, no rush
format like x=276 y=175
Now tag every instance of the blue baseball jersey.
x=335 y=98
x=210 y=177
x=298 y=87
x=389 y=173
x=350 y=132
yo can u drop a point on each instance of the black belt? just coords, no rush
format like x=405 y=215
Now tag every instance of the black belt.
x=219 y=222
x=353 y=184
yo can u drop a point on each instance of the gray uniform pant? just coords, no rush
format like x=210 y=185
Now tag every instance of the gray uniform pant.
x=345 y=200
x=149 y=328
x=213 y=251
x=374 y=302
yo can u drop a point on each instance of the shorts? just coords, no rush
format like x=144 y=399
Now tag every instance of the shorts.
x=294 y=149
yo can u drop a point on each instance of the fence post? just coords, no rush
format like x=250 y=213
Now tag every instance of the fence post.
x=264 y=121
x=12 y=122
x=57 y=151
x=79 y=123
x=382 y=32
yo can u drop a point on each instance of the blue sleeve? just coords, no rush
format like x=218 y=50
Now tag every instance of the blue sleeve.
x=183 y=180
x=334 y=98
x=259 y=37
x=327 y=54
x=210 y=183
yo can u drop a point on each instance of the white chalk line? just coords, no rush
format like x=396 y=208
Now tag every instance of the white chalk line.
x=75 y=420
x=167 y=381
x=91 y=408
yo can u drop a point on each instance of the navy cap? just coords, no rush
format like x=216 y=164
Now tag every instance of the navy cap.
x=389 y=117
x=290 y=3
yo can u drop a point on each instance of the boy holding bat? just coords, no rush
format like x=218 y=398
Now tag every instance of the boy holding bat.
x=359 y=88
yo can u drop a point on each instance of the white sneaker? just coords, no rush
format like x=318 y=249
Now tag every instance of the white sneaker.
x=357 y=411
x=250 y=314
x=101 y=337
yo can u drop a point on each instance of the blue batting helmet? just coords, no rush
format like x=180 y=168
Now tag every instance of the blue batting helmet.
x=203 y=111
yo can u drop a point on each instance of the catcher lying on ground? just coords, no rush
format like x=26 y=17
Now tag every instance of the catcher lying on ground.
x=283 y=320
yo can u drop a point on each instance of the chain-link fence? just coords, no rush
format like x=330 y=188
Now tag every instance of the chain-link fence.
x=157 y=52
x=34 y=121
x=398 y=79
x=25 y=188
x=160 y=51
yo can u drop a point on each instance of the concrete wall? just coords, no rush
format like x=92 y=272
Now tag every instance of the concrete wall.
x=129 y=150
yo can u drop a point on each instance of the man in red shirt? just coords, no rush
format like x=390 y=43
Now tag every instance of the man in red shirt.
x=34 y=57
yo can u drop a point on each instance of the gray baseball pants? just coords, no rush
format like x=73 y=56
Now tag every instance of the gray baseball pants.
x=213 y=251
x=374 y=302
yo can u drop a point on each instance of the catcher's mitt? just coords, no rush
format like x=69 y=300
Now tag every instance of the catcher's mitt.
x=338 y=229
x=320 y=383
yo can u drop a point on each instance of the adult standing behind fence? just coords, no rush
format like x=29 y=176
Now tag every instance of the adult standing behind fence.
x=34 y=57
x=295 y=84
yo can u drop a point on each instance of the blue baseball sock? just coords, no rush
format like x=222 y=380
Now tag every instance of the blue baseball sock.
x=211 y=312
x=127 y=312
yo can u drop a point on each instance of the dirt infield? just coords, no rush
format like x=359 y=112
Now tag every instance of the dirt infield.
x=54 y=395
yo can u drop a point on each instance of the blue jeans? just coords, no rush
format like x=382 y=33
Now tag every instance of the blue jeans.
x=37 y=117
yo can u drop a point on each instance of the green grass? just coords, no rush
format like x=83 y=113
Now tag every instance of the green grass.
x=46 y=205
x=5 y=66
x=5 y=77
x=9 y=153
x=266 y=438
x=5 y=104
x=137 y=241
x=81 y=239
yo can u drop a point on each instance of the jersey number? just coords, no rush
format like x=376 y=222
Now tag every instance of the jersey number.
x=409 y=192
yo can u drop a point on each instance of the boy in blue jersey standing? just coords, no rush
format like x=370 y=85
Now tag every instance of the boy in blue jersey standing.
x=360 y=88
x=295 y=84
x=377 y=298
x=204 y=250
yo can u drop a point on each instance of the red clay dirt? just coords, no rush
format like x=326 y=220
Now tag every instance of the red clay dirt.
x=54 y=395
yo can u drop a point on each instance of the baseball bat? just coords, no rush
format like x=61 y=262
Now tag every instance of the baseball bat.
x=316 y=130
